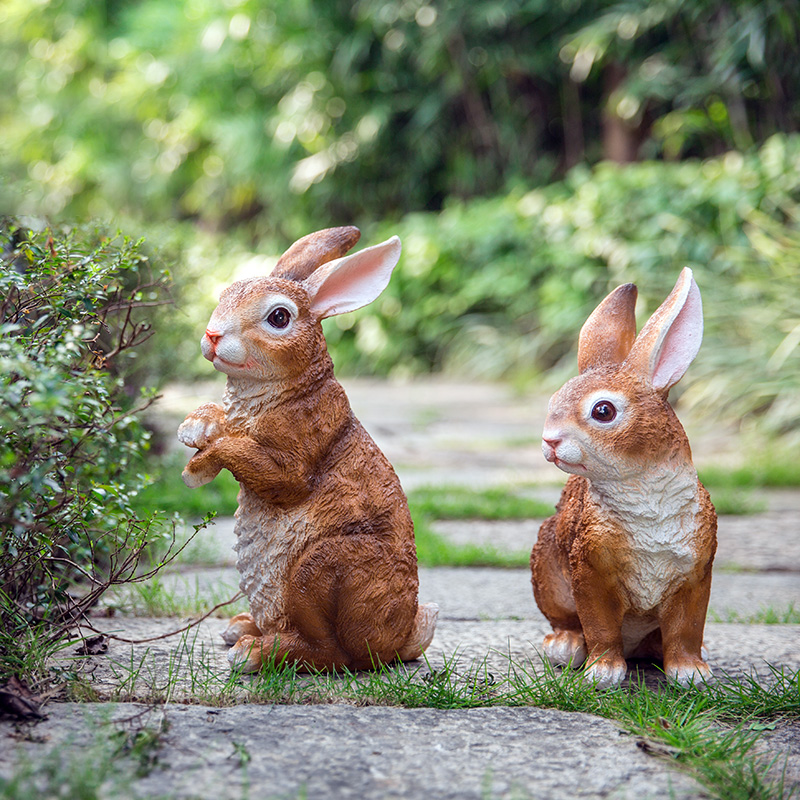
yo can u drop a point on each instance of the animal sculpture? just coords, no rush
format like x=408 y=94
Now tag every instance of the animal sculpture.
x=623 y=568
x=325 y=543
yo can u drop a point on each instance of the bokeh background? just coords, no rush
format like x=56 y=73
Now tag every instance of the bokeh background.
x=531 y=155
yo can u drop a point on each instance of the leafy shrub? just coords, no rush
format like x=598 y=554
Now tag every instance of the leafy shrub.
x=69 y=434
x=501 y=287
x=266 y=114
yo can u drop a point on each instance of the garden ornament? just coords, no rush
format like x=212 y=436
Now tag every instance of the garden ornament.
x=325 y=543
x=623 y=568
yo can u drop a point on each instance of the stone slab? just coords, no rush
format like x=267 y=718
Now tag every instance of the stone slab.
x=768 y=542
x=475 y=593
x=337 y=752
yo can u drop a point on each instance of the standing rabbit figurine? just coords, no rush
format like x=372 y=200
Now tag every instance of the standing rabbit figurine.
x=623 y=568
x=325 y=541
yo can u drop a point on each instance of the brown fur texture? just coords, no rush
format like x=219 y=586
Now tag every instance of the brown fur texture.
x=325 y=540
x=623 y=569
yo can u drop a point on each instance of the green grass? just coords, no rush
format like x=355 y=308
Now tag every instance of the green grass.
x=762 y=616
x=153 y=598
x=167 y=492
x=460 y=502
x=711 y=731
x=427 y=504
x=772 y=470
x=736 y=501
x=26 y=647
x=109 y=764
x=106 y=767
x=433 y=550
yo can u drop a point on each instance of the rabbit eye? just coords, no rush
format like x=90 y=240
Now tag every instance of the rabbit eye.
x=279 y=317
x=604 y=411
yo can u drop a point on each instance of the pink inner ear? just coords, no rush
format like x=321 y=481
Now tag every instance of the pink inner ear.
x=354 y=285
x=352 y=281
x=681 y=342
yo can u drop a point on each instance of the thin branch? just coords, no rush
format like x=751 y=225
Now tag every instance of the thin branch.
x=171 y=633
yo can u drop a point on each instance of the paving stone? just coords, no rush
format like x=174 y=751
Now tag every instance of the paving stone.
x=332 y=752
x=768 y=541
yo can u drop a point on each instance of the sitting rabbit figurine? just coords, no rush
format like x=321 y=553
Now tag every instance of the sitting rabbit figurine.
x=623 y=568
x=325 y=541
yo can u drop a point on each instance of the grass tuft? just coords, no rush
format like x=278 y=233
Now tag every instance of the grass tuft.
x=736 y=501
x=433 y=550
x=773 y=470
x=767 y=615
x=711 y=731
x=155 y=598
x=461 y=502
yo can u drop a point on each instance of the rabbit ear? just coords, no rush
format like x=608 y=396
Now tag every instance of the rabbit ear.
x=606 y=337
x=310 y=252
x=670 y=340
x=353 y=281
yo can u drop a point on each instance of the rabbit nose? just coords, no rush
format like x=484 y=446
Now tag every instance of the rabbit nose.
x=549 y=448
x=213 y=336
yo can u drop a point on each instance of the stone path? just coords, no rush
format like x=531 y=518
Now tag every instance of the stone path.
x=436 y=433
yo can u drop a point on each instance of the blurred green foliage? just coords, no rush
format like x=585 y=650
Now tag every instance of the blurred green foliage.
x=277 y=113
x=469 y=129
x=499 y=287
x=502 y=286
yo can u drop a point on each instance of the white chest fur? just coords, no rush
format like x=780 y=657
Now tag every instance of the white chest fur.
x=269 y=540
x=658 y=515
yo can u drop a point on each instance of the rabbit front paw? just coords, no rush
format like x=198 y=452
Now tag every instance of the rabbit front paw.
x=199 y=471
x=565 y=648
x=688 y=672
x=606 y=673
x=202 y=426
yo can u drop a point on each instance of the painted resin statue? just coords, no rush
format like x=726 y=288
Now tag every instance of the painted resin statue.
x=325 y=541
x=623 y=569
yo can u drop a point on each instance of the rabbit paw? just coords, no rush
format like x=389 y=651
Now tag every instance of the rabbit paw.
x=202 y=426
x=239 y=625
x=688 y=672
x=195 y=475
x=565 y=648
x=245 y=655
x=606 y=673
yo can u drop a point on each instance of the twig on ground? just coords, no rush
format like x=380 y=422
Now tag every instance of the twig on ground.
x=171 y=633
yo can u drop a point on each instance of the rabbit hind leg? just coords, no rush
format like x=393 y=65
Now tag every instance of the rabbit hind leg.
x=553 y=594
x=251 y=653
x=565 y=648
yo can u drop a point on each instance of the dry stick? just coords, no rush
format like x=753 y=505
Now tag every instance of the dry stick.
x=171 y=633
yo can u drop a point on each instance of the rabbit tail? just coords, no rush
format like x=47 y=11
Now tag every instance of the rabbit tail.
x=421 y=633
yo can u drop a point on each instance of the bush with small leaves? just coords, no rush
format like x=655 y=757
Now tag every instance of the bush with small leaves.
x=70 y=435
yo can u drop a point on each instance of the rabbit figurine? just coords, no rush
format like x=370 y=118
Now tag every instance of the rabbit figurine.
x=325 y=543
x=623 y=568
